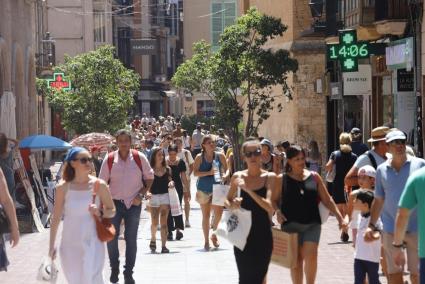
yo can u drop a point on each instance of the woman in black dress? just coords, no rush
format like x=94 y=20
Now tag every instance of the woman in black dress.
x=178 y=174
x=256 y=189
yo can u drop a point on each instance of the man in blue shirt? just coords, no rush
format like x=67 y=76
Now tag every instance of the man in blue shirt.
x=391 y=178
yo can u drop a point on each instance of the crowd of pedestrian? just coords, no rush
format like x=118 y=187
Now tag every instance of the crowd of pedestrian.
x=373 y=191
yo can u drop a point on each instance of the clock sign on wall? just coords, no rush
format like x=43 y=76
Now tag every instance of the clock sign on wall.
x=348 y=50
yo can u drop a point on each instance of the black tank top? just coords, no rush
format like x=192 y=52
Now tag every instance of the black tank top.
x=160 y=183
x=300 y=200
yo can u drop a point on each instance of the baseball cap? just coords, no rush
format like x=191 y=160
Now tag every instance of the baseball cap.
x=268 y=143
x=367 y=171
x=395 y=135
x=355 y=130
x=198 y=124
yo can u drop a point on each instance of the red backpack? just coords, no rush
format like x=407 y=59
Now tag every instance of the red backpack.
x=136 y=158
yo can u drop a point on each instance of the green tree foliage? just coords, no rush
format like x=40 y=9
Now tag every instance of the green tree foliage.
x=241 y=74
x=102 y=92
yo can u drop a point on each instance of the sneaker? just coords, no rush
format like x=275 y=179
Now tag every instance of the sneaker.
x=187 y=224
x=165 y=250
x=170 y=236
x=179 y=235
x=152 y=246
x=128 y=279
x=114 y=275
x=345 y=237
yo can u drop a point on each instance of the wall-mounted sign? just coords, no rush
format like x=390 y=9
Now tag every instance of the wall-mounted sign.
x=399 y=54
x=143 y=46
x=59 y=82
x=348 y=50
x=358 y=83
x=405 y=81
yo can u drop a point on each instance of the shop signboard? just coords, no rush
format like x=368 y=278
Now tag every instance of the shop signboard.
x=348 y=51
x=59 y=82
x=399 y=54
x=358 y=83
x=143 y=46
x=405 y=81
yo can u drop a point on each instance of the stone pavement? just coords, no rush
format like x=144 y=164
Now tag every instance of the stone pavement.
x=187 y=261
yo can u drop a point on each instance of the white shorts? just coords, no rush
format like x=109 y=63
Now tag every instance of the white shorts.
x=159 y=199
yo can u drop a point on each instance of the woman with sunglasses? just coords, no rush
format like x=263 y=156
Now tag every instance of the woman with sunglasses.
x=295 y=199
x=256 y=186
x=206 y=164
x=178 y=174
x=82 y=253
x=159 y=201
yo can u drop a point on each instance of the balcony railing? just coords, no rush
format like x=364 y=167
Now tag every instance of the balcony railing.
x=391 y=10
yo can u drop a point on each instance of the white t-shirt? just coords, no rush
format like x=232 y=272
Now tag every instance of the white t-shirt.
x=370 y=251
x=364 y=160
x=188 y=161
x=186 y=141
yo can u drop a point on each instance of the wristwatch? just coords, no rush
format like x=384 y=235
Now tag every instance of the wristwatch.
x=401 y=246
x=373 y=227
x=140 y=196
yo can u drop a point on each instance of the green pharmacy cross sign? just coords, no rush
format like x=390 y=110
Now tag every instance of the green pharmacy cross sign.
x=348 y=50
x=59 y=82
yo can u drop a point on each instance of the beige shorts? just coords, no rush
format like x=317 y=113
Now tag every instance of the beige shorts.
x=411 y=250
x=203 y=197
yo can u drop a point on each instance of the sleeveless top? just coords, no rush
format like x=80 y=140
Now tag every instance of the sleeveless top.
x=205 y=183
x=300 y=200
x=160 y=183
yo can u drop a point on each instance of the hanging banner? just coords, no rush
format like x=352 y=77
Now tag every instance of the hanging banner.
x=358 y=83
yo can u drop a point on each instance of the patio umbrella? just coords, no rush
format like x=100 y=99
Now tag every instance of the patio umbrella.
x=91 y=139
x=44 y=142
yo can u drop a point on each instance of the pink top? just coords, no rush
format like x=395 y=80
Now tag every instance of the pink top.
x=125 y=180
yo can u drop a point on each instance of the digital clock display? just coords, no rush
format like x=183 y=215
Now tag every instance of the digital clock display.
x=348 y=51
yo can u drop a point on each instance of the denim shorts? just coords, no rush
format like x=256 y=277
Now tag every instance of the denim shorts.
x=159 y=199
x=306 y=232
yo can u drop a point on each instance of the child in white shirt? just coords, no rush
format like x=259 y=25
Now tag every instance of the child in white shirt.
x=367 y=254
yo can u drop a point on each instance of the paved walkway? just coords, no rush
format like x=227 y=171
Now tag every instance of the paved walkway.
x=187 y=262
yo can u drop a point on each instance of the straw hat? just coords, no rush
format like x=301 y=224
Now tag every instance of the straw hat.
x=378 y=134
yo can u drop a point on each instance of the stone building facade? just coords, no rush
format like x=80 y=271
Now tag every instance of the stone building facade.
x=18 y=115
x=304 y=118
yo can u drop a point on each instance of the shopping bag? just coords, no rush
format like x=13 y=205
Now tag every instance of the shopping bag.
x=330 y=176
x=220 y=192
x=285 y=248
x=47 y=271
x=235 y=227
x=324 y=212
x=176 y=209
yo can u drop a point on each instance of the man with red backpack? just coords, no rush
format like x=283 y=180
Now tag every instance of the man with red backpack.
x=129 y=175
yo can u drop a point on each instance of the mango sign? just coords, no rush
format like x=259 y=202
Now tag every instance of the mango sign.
x=59 y=82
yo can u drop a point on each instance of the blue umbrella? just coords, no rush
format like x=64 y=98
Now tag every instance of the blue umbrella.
x=44 y=142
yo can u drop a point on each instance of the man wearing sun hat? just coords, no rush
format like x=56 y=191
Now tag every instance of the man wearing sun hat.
x=391 y=178
x=374 y=157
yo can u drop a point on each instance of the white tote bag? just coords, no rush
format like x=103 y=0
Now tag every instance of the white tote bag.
x=47 y=271
x=324 y=212
x=220 y=192
x=235 y=226
x=330 y=176
x=176 y=209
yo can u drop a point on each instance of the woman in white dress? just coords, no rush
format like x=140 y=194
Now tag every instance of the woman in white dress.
x=82 y=254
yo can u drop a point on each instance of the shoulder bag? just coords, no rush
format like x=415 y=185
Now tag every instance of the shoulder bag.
x=104 y=228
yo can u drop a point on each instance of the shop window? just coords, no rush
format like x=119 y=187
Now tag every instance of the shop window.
x=205 y=108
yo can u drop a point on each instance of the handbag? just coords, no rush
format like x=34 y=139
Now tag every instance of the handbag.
x=105 y=229
x=47 y=271
x=219 y=195
x=175 y=207
x=4 y=222
x=330 y=176
x=285 y=248
x=235 y=226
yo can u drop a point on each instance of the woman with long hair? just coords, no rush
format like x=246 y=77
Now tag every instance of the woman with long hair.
x=256 y=187
x=6 y=162
x=178 y=174
x=82 y=254
x=343 y=159
x=209 y=167
x=314 y=158
x=295 y=199
x=7 y=203
x=159 y=200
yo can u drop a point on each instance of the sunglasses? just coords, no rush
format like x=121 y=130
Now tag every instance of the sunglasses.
x=84 y=160
x=398 y=142
x=255 y=153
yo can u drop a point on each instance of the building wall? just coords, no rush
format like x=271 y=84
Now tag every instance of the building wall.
x=17 y=68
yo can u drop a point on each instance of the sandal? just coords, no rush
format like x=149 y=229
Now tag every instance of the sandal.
x=215 y=240
x=152 y=246
x=165 y=250
x=207 y=247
